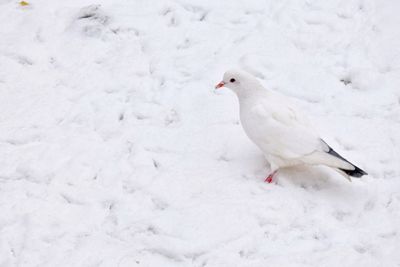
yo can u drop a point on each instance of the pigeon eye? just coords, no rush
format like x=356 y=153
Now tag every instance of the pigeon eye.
x=232 y=80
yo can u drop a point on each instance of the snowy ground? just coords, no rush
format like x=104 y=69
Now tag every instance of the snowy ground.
x=116 y=151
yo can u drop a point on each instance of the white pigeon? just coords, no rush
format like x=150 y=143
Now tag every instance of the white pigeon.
x=280 y=130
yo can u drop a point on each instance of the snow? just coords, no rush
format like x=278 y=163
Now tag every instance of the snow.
x=115 y=150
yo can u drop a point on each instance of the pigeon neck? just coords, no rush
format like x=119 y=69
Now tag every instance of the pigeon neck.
x=254 y=93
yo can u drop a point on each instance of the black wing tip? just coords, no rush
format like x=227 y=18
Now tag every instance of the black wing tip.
x=357 y=172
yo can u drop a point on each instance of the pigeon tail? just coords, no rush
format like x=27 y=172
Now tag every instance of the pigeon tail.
x=357 y=172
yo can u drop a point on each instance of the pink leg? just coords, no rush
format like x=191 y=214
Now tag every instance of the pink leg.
x=270 y=177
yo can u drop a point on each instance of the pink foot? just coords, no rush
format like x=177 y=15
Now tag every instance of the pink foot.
x=270 y=178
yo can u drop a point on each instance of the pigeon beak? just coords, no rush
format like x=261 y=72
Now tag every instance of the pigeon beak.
x=221 y=84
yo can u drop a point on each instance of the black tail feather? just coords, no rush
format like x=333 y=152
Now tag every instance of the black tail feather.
x=357 y=172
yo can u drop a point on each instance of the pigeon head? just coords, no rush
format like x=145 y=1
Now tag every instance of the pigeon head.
x=238 y=81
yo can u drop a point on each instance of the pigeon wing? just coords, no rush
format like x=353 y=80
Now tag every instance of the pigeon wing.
x=288 y=132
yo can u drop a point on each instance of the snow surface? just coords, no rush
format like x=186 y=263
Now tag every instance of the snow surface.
x=116 y=151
